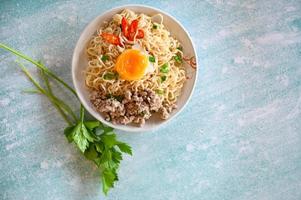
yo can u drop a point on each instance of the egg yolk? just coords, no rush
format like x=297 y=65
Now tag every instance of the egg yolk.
x=131 y=64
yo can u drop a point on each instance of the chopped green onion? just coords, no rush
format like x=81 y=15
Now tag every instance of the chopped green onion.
x=104 y=58
x=143 y=113
x=151 y=59
x=110 y=76
x=109 y=96
x=180 y=48
x=164 y=68
x=178 y=59
x=159 y=92
x=155 y=26
x=117 y=97
x=163 y=78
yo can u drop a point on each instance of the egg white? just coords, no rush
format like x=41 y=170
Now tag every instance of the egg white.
x=150 y=67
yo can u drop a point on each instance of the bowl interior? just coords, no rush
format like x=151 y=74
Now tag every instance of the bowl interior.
x=79 y=64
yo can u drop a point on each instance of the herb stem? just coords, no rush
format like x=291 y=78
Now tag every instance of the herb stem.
x=37 y=85
x=62 y=113
x=46 y=80
x=58 y=101
x=66 y=108
x=82 y=113
x=39 y=65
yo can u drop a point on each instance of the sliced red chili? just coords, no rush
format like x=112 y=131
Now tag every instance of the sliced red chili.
x=140 y=34
x=124 y=27
x=129 y=31
x=111 y=38
x=134 y=26
x=133 y=29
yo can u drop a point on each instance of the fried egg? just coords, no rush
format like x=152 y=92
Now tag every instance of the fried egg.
x=133 y=64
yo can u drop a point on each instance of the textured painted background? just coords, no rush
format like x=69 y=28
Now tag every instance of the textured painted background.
x=239 y=137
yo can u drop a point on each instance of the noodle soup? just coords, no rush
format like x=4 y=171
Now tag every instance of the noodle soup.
x=135 y=68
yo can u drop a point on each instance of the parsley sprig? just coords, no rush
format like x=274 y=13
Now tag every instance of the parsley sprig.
x=96 y=141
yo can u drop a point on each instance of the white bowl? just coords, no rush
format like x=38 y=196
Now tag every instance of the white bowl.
x=79 y=64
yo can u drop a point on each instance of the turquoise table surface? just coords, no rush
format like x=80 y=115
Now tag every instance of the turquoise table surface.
x=239 y=138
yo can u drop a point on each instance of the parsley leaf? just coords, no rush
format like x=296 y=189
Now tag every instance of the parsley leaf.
x=91 y=152
x=108 y=179
x=109 y=139
x=91 y=124
x=105 y=156
x=116 y=156
x=125 y=148
x=79 y=138
x=99 y=147
x=86 y=133
x=102 y=129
